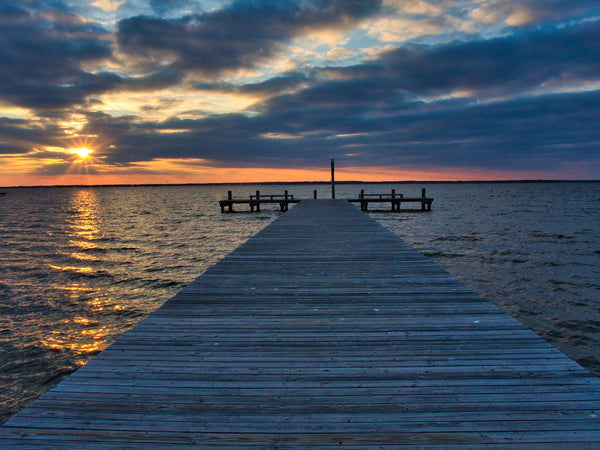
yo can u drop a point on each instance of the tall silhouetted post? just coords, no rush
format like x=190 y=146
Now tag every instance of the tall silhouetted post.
x=332 y=180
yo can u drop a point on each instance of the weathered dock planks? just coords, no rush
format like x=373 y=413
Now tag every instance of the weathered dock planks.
x=323 y=329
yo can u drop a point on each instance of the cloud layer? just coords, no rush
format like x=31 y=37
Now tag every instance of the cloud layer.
x=497 y=85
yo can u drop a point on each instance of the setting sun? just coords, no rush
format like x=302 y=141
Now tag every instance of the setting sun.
x=82 y=152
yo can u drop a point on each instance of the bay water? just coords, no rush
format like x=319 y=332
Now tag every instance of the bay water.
x=81 y=265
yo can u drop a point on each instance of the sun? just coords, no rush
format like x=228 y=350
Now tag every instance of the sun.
x=82 y=152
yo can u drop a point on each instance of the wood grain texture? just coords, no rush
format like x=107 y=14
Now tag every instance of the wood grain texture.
x=324 y=329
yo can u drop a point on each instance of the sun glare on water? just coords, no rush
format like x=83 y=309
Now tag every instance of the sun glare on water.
x=82 y=152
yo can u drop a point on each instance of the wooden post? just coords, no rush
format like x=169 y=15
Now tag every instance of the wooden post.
x=363 y=202
x=332 y=179
x=393 y=200
x=422 y=203
x=284 y=205
x=230 y=197
x=257 y=201
x=315 y=194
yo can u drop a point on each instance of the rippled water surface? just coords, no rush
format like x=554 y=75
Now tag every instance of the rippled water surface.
x=79 y=266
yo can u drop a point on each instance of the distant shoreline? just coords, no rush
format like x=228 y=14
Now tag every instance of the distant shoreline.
x=298 y=183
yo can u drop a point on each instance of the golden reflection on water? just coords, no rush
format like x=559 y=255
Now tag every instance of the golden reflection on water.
x=83 y=230
x=84 y=337
x=101 y=304
x=74 y=288
x=82 y=270
x=83 y=257
x=81 y=341
x=82 y=334
x=85 y=222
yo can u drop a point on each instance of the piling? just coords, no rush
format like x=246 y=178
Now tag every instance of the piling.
x=332 y=179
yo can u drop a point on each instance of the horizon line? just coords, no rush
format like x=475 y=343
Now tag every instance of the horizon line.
x=300 y=183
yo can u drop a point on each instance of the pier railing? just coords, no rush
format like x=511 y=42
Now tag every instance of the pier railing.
x=256 y=200
x=395 y=200
x=259 y=196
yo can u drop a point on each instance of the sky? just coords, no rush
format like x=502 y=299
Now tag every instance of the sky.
x=204 y=91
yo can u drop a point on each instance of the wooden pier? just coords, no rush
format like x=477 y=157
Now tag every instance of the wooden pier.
x=393 y=199
x=323 y=330
x=256 y=200
x=285 y=199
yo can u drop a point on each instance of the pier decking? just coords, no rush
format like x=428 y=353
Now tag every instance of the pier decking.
x=324 y=329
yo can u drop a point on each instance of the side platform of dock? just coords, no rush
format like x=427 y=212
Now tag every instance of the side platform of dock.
x=284 y=200
x=323 y=330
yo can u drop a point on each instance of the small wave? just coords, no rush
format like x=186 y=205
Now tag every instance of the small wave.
x=456 y=239
x=126 y=249
x=439 y=254
x=592 y=326
x=158 y=283
x=93 y=250
x=527 y=312
x=591 y=362
x=551 y=236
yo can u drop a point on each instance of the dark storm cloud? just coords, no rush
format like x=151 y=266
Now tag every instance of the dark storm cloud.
x=282 y=83
x=66 y=166
x=161 y=78
x=510 y=64
x=19 y=136
x=239 y=36
x=472 y=103
x=42 y=49
x=386 y=112
x=526 y=133
x=273 y=86
x=538 y=134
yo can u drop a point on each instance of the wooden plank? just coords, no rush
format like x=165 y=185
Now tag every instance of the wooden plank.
x=323 y=329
